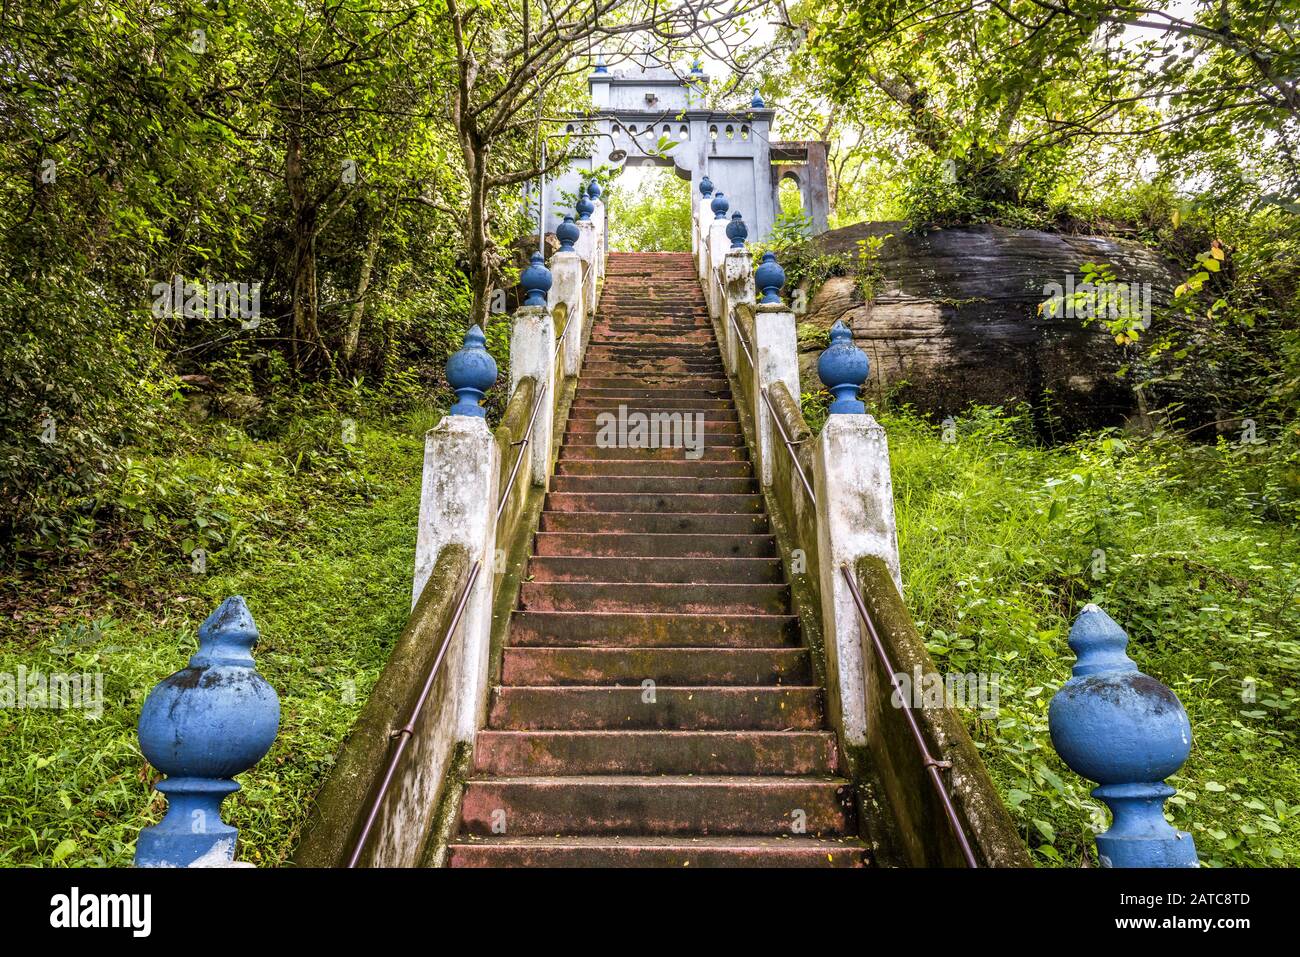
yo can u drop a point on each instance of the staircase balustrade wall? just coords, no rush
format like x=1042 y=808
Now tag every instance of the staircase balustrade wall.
x=410 y=830
x=905 y=818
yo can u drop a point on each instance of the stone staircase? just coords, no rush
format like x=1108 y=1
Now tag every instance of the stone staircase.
x=656 y=707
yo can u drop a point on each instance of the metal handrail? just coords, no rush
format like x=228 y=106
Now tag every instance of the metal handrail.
x=528 y=432
x=403 y=734
x=932 y=764
x=731 y=315
x=789 y=447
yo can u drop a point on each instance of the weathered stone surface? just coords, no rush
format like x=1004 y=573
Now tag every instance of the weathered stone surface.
x=955 y=319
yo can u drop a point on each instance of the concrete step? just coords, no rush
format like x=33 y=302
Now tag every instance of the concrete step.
x=641 y=570
x=652 y=501
x=653 y=851
x=710 y=453
x=658 y=805
x=707 y=386
x=630 y=545
x=597 y=367
x=590 y=426
x=654 y=483
x=559 y=753
x=542 y=667
x=739 y=523
x=686 y=467
x=518 y=708
x=591 y=405
x=681 y=599
x=595 y=629
x=673 y=431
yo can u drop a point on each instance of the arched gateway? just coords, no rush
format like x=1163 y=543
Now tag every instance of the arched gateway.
x=635 y=109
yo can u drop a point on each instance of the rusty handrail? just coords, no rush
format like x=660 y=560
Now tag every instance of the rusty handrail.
x=932 y=764
x=403 y=734
x=740 y=334
x=789 y=447
x=528 y=432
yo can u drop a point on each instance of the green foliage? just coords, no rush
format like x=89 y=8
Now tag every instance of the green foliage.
x=652 y=216
x=1190 y=547
x=329 y=587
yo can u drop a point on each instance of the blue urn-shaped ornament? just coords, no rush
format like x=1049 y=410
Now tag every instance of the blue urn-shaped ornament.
x=567 y=233
x=769 y=277
x=706 y=187
x=720 y=205
x=843 y=367
x=757 y=102
x=201 y=726
x=584 y=207
x=471 y=370
x=536 y=281
x=1128 y=732
x=594 y=190
x=737 y=231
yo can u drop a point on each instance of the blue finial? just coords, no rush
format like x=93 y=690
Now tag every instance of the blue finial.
x=697 y=67
x=1116 y=726
x=584 y=207
x=567 y=233
x=757 y=102
x=737 y=231
x=843 y=367
x=706 y=187
x=769 y=277
x=471 y=370
x=201 y=726
x=600 y=65
x=594 y=190
x=720 y=205
x=536 y=281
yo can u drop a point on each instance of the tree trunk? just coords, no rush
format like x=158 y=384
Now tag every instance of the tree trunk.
x=352 y=336
x=306 y=328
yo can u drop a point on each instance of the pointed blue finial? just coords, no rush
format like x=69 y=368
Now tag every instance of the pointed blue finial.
x=843 y=367
x=594 y=190
x=697 y=67
x=757 y=102
x=567 y=233
x=600 y=65
x=769 y=277
x=706 y=187
x=536 y=281
x=471 y=371
x=1128 y=732
x=584 y=207
x=720 y=205
x=737 y=231
x=201 y=726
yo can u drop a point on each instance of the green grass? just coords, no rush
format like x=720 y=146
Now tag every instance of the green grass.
x=1192 y=549
x=318 y=535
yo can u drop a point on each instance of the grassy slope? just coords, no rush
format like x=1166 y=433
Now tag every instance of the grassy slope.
x=999 y=544
x=323 y=557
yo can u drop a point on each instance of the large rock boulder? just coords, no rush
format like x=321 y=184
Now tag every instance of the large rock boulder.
x=955 y=319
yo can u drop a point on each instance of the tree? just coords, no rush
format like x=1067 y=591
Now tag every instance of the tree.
x=516 y=67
